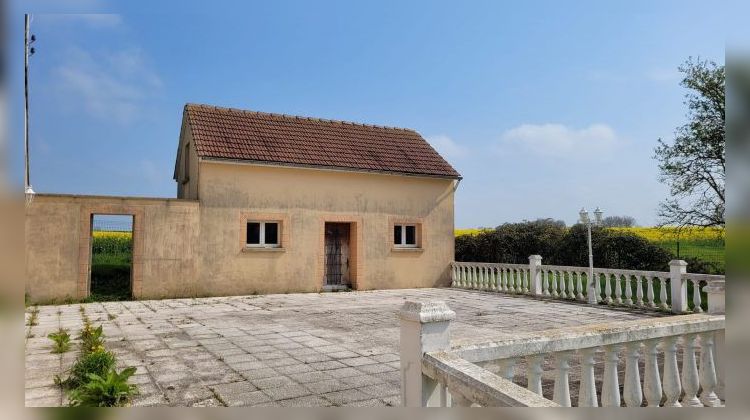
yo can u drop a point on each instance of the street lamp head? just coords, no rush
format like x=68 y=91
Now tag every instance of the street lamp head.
x=598 y=216
x=584 y=216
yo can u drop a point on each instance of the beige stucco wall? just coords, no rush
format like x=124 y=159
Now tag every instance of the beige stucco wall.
x=307 y=198
x=187 y=189
x=57 y=240
x=183 y=248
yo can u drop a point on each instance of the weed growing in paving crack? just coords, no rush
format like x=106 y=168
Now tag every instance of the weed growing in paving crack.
x=61 y=340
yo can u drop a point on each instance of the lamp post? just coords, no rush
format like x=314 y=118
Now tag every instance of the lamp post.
x=592 y=297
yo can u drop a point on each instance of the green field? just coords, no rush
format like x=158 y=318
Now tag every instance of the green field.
x=111 y=266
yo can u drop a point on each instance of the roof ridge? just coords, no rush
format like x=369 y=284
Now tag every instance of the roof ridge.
x=297 y=117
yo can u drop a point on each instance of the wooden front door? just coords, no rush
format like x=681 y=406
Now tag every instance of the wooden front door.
x=337 y=254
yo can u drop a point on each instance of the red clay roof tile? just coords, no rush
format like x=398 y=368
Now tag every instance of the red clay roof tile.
x=227 y=133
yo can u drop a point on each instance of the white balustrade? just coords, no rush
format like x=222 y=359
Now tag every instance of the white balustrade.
x=457 y=365
x=612 y=286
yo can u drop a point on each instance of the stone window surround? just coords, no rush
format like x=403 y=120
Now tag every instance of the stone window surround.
x=83 y=288
x=281 y=218
x=416 y=221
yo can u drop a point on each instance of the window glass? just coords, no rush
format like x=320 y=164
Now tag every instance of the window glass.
x=397 y=234
x=411 y=235
x=253 y=233
x=272 y=234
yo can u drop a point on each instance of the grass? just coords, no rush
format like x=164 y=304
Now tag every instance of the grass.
x=111 y=262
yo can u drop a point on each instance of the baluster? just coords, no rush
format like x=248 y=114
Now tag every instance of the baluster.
x=618 y=289
x=672 y=386
x=507 y=368
x=545 y=284
x=708 y=371
x=465 y=279
x=534 y=373
x=587 y=384
x=663 y=294
x=512 y=279
x=581 y=287
x=632 y=388
x=610 y=383
x=571 y=285
x=470 y=273
x=652 y=381
x=628 y=291
x=526 y=281
x=598 y=287
x=475 y=277
x=554 y=284
x=503 y=280
x=639 y=290
x=697 y=297
x=485 y=278
x=561 y=393
x=690 y=372
x=495 y=279
x=650 y=291
x=607 y=288
x=563 y=291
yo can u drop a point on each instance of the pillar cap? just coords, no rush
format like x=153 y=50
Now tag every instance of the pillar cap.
x=678 y=263
x=535 y=257
x=426 y=312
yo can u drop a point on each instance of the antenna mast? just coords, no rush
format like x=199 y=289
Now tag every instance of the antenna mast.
x=26 y=53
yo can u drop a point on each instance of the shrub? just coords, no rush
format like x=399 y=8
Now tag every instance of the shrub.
x=558 y=245
x=107 y=390
x=97 y=362
x=61 y=340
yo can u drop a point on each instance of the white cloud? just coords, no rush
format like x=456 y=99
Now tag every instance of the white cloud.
x=447 y=147
x=558 y=140
x=112 y=85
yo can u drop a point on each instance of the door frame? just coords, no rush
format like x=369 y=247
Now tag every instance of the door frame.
x=86 y=242
x=356 y=263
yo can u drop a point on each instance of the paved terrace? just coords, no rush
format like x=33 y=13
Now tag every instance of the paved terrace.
x=334 y=349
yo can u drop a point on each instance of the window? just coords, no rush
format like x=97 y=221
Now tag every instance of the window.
x=405 y=236
x=263 y=234
x=186 y=165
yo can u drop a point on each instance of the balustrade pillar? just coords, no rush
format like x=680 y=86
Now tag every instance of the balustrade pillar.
x=707 y=372
x=672 y=385
x=628 y=290
x=561 y=393
x=587 y=385
x=690 y=372
x=424 y=328
x=534 y=373
x=697 y=302
x=507 y=368
x=716 y=300
x=632 y=392
x=579 y=279
x=607 y=289
x=663 y=294
x=678 y=286
x=610 y=383
x=652 y=381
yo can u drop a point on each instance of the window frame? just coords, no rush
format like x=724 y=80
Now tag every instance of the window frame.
x=403 y=243
x=262 y=234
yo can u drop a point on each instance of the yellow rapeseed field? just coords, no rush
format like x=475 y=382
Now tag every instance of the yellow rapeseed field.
x=472 y=232
x=100 y=234
x=655 y=234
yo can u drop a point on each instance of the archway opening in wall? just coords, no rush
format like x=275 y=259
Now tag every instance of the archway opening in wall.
x=111 y=257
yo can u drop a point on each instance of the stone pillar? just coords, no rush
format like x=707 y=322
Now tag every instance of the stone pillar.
x=424 y=328
x=678 y=286
x=716 y=306
x=535 y=275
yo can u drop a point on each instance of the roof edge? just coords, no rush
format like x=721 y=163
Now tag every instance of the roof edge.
x=324 y=167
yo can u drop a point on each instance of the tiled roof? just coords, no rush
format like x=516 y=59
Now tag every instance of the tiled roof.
x=226 y=133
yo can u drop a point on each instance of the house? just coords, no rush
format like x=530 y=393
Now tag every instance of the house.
x=266 y=203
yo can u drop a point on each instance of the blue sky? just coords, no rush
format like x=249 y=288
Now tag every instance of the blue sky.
x=543 y=107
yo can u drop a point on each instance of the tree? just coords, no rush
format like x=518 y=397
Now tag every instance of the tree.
x=694 y=166
x=618 y=221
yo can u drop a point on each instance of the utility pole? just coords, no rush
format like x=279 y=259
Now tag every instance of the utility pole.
x=27 y=52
